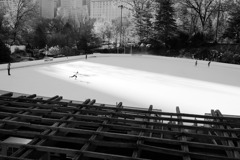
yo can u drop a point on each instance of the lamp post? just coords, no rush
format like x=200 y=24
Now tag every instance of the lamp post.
x=218 y=14
x=121 y=6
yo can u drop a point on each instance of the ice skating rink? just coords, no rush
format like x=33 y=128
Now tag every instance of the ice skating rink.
x=137 y=81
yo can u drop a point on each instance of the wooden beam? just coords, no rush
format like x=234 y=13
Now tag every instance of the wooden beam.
x=9 y=94
x=109 y=156
x=224 y=142
x=93 y=137
x=229 y=142
x=153 y=112
x=72 y=117
x=137 y=152
x=28 y=134
x=50 y=110
x=35 y=126
x=12 y=158
x=183 y=138
x=179 y=153
x=21 y=150
x=52 y=132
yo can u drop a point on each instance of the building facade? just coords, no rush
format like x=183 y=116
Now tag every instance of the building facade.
x=10 y=4
x=47 y=8
x=74 y=9
x=106 y=10
x=70 y=4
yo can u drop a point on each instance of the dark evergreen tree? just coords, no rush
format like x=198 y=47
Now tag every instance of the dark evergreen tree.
x=4 y=53
x=165 y=24
x=185 y=26
x=147 y=24
x=86 y=39
x=40 y=36
x=143 y=19
x=68 y=34
x=233 y=30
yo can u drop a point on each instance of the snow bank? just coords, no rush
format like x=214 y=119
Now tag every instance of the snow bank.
x=39 y=62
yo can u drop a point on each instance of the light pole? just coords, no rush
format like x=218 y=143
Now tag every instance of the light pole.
x=121 y=6
x=218 y=14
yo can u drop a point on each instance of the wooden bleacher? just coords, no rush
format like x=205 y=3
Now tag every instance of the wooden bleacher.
x=33 y=127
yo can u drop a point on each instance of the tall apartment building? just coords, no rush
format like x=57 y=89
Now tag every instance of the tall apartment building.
x=71 y=7
x=87 y=4
x=74 y=9
x=105 y=9
x=11 y=4
x=47 y=8
x=70 y=4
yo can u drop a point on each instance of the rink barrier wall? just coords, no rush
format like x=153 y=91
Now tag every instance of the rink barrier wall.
x=53 y=60
x=94 y=55
x=39 y=62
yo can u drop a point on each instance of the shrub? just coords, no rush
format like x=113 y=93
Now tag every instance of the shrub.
x=236 y=58
x=203 y=53
x=54 y=50
x=227 y=57
x=197 y=40
x=67 y=51
x=20 y=52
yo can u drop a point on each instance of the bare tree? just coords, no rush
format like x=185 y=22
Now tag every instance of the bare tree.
x=203 y=9
x=19 y=14
x=142 y=12
x=136 y=5
x=2 y=29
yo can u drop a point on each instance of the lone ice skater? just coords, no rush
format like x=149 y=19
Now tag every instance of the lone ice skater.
x=196 y=63
x=209 y=63
x=75 y=75
x=9 y=68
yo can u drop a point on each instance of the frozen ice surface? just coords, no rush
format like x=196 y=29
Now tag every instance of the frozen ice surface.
x=137 y=81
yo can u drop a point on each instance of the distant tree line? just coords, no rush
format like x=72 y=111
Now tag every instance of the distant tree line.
x=21 y=24
x=186 y=25
x=215 y=20
x=168 y=27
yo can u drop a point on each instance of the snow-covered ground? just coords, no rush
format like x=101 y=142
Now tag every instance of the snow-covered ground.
x=137 y=81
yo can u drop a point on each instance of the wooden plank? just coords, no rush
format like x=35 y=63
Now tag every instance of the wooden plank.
x=143 y=147
x=93 y=137
x=213 y=140
x=13 y=158
x=9 y=94
x=229 y=142
x=31 y=96
x=109 y=156
x=182 y=153
x=60 y=108
x=42 y=148
x=20 y=112
x=35 y=126
x=224 y=142
x=184 y=147
x=154 y=112
x=124 y=115
x=21 y=150
x=88 y=117
x=125 y=124
x=137 y=152
x=52 y=132
x=28 y=134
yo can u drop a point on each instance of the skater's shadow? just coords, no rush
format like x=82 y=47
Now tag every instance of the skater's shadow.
x=85 y=75
x=84 y=82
